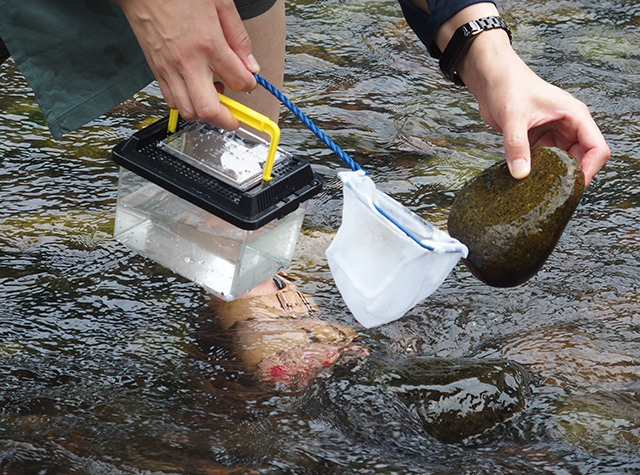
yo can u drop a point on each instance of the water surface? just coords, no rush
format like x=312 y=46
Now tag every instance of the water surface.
x=112 y=364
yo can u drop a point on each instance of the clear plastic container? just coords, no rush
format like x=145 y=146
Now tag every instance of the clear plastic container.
x=223 y=258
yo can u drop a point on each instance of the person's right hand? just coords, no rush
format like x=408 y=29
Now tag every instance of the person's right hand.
x=188 y=42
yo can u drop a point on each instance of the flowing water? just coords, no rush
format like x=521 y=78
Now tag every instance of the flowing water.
x=113 y=364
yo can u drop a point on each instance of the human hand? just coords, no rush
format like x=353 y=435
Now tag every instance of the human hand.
x=528 y=110
x=188 y=42
x=515 y=101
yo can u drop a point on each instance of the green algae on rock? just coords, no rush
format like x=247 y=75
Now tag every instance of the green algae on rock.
x=511 y=226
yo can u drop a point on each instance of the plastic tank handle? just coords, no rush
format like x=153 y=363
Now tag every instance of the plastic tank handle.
x=253 y=119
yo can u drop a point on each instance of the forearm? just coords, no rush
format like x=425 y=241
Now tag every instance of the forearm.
x=472 y=12
x=512 y=99
x=487 y=54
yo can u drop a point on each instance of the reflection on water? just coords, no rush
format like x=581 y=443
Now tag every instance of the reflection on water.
x=112 y=364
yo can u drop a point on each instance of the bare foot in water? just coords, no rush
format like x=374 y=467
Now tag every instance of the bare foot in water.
x=278 y=332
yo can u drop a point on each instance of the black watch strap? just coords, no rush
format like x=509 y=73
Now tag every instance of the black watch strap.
x=461 y=40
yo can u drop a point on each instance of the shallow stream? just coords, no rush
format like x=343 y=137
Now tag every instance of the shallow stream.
x=110 y=363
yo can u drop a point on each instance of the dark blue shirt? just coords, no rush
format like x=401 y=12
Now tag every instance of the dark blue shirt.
x=427 y=24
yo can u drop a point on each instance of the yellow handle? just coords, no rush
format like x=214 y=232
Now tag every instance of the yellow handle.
x=173 y=121
x=252 y=118
x=259 y=122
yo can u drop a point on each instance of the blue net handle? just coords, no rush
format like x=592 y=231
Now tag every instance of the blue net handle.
x=350 y=162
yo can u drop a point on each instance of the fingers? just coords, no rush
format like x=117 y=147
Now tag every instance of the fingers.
x=229 y=50
x=565 y=123
x=226 y=50
x=517 y=149
x=577 y=133
x=593 y=148
x=237 y=36
x=185 y=44
x=196 y=97
x=203 y=94
x=593 y=161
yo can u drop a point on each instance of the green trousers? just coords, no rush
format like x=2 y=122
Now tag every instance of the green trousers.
x=79 y=56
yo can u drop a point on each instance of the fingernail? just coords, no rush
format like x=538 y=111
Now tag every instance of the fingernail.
x=254 y=67
x=519 y=168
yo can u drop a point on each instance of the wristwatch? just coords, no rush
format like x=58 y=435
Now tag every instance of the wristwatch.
x=461 y=40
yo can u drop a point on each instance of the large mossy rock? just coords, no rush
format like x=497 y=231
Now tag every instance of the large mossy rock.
x=511 y=226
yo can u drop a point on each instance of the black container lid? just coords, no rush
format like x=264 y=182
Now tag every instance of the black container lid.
x=293 y=181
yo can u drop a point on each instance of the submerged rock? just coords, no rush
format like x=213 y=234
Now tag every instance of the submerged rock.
x=455 y=399
x=405 y=398
x=511 y=226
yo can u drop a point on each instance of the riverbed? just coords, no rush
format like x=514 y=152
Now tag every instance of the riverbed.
x=114 y=364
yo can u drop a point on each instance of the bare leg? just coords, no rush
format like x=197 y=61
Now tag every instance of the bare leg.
x=267 y=32
x=279 y=333
x=277 y=329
